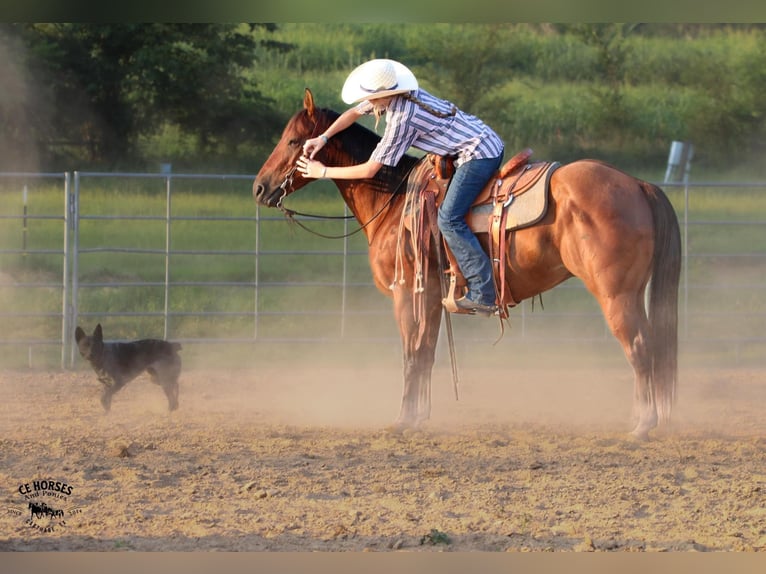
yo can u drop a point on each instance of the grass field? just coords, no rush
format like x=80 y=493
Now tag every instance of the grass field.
x=237 y=271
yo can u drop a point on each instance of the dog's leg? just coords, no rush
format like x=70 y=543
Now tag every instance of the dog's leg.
x=168 y=380
x=171 y=392
x=111 y=386
x=106 y=398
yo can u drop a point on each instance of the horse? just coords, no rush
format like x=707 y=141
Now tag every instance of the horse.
x=618 y=234
x=41 y=510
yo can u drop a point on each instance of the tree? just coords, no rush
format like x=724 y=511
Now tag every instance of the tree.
x=609 y=42
x=464 y=62
x=106 y=85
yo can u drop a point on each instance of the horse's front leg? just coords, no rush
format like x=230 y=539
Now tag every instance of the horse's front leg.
x=419 y=333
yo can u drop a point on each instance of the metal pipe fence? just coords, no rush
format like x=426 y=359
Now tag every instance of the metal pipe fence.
x=18 y=184
x=35 y=322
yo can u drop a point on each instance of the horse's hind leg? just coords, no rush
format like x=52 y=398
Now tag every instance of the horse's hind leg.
x=645 y=408
x=627 y=320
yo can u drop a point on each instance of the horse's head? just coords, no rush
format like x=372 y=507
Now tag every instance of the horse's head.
x=278 y=177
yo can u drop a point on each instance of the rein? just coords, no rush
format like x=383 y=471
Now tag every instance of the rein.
x=287 y=188
x=290 y=213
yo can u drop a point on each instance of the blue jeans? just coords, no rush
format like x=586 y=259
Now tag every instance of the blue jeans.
x=468 y=181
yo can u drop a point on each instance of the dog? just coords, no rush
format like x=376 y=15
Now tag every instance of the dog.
x=116 y=364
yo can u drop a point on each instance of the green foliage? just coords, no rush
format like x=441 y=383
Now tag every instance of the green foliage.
x=619 y=92
x=213 y=97
x=204 y=286
x=724 y=241
x=435 y=537
x=106 y=85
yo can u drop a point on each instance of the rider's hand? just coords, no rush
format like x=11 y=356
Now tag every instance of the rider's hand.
x=310 y=168
x=312 y=146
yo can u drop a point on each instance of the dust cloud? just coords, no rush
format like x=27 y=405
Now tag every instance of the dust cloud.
x=359 y=386
x=19 y=98
x=293 y=454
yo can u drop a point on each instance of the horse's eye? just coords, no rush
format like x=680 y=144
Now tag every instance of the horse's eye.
x=293 y=142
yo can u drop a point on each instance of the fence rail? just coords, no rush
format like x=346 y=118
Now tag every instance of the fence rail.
x=700 y=259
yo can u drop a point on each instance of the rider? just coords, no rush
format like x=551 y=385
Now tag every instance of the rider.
x=415 y=118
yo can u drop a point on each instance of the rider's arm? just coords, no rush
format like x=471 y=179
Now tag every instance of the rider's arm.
x=315 y=169
x=313 y=145
x=364 y=170
x=344 y=120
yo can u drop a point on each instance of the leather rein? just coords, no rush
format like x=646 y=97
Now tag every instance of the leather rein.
x=287 y=188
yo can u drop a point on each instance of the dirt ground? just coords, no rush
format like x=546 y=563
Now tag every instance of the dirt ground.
x=265 y=460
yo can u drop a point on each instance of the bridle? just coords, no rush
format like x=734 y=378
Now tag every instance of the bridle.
x=287 y=188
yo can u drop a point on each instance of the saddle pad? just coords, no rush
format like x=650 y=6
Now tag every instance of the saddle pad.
x=525 y=209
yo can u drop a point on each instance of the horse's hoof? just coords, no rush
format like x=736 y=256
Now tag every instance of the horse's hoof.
x=412 y=432
x=395 y=429
x=639 y=435
x=402 y=428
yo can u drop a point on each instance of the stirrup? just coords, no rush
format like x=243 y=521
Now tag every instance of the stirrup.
x=449 y=302
x=465 y=305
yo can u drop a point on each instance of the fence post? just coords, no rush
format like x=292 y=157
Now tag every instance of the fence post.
x=679 y=164
x=75 y=257
x=66 y=307
x=167 y=255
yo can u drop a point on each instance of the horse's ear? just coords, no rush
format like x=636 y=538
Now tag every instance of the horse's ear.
x=308 y=103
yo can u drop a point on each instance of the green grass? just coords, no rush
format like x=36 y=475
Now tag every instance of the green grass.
x=311 y=307
x=229 y=244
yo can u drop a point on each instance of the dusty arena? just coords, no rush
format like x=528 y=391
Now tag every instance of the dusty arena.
x=296 y=456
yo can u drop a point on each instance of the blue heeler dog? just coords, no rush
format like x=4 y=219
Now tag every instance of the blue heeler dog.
x=116 y=364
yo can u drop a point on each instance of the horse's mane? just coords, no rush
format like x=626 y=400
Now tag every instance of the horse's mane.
x=359 y=142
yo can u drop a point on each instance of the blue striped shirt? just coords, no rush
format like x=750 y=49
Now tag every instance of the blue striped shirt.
x=409 y=125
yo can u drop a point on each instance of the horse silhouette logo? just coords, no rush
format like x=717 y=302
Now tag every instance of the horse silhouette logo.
x=45 y=504
x=42 y=510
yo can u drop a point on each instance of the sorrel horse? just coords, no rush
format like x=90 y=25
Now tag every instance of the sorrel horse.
x=612 y=231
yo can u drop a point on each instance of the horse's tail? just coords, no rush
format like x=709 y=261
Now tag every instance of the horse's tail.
x=663 y=300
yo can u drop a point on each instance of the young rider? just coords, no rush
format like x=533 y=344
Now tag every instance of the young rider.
x=415 y=118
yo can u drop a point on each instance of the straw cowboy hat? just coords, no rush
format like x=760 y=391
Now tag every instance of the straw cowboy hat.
x=377 y=79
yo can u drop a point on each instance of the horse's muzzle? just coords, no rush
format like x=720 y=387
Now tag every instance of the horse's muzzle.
x=265 y=196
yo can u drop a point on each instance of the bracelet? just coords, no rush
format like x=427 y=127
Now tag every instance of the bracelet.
x=324 y=172
x=324 y=138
